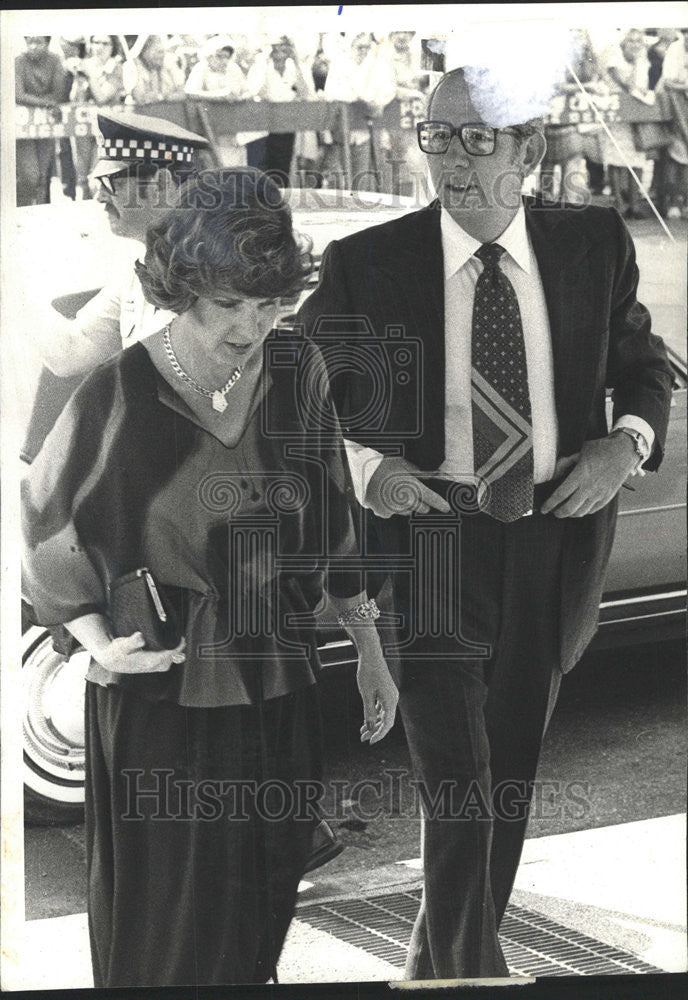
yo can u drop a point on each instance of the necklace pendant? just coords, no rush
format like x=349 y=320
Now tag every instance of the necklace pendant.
x=219 y=402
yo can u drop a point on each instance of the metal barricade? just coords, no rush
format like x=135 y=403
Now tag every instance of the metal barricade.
x=216 y=117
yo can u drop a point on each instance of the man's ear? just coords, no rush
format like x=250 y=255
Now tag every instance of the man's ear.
x=533 y=149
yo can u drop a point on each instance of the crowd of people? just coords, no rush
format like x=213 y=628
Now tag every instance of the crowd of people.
x=642 y=64
x=147 y=69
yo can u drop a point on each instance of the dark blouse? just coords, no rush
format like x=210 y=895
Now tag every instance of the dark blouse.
x=245 y=534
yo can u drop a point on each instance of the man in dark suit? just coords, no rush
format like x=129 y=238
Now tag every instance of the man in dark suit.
x=525 y=314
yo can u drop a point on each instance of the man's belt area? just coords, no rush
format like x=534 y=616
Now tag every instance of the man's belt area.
x=447 y=488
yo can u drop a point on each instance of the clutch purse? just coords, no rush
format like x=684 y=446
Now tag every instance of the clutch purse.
x=138 y=604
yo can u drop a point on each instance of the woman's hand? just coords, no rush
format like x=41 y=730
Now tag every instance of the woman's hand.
x=378 y=691
x=379 y=695
x=127 y=655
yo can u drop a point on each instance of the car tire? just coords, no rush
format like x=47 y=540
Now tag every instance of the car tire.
x=53 y=731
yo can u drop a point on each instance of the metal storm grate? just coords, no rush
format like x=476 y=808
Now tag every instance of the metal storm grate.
x=533 y=944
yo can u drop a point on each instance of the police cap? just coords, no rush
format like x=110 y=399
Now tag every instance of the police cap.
x=128 y=138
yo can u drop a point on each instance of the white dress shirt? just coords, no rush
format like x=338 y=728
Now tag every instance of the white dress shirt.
x=461 y=271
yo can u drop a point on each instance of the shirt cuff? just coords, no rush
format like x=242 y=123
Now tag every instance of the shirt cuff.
x=362 y=462
x=637 y=424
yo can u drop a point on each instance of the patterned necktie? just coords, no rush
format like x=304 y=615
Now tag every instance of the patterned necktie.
x=502 y=420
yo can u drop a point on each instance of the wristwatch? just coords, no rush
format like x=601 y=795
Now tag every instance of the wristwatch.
x=640 y=445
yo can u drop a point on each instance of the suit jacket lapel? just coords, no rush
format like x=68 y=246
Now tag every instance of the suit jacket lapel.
x=417 y=272
x=426 y=298
x=423 y=265
x=564 y=258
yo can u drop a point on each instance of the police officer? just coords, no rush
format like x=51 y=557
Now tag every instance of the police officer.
x=142 y=162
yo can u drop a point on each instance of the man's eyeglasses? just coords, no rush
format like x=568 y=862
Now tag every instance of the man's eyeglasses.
x=107 y=184
x=476 y=138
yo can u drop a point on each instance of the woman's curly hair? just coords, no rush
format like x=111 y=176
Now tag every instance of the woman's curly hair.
x=230 y=231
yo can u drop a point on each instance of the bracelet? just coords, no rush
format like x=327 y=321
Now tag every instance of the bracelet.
x=366 y=612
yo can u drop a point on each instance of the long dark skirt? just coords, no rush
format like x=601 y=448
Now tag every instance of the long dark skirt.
x=194 y=843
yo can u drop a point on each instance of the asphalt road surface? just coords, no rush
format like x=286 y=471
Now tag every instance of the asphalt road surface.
x=615 y=752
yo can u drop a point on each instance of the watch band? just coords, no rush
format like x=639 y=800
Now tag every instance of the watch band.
x=639 y=444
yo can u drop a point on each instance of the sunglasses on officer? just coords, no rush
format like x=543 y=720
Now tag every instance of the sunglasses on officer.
x=476 y=138
x=135 y=170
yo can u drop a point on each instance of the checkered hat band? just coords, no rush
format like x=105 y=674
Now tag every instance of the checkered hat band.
x=146 y=149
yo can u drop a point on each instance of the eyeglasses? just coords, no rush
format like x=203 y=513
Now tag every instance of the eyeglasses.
x=476 y=138
x=106 y=184
x=107 y=181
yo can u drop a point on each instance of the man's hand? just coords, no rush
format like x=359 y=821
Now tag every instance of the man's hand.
x=395 y=488
x=597 y=474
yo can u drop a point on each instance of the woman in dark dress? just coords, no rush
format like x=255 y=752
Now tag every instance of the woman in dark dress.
x=192 y=454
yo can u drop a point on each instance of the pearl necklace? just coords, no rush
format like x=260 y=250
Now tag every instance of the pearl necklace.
x=216 y=396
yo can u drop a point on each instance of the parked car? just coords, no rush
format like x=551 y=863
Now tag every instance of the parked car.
x=645 y=597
